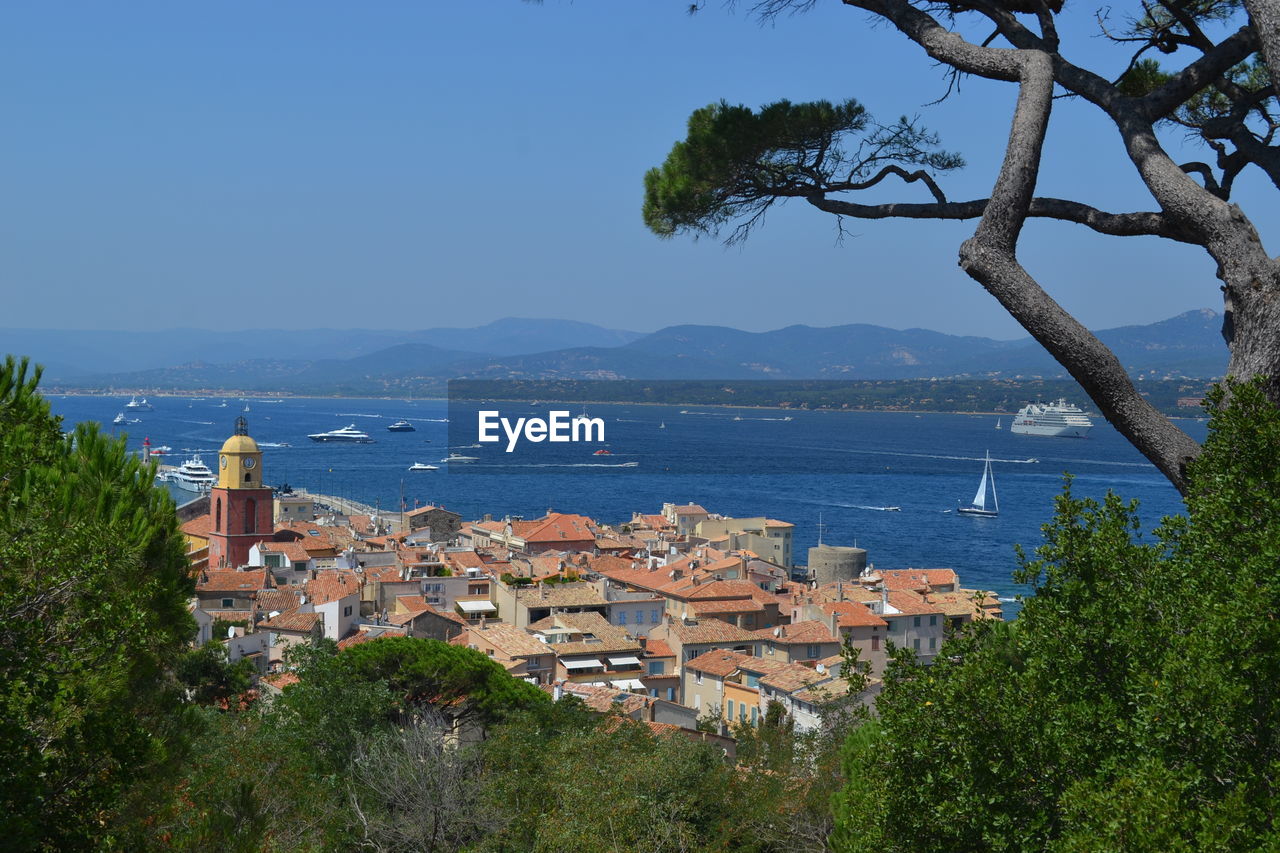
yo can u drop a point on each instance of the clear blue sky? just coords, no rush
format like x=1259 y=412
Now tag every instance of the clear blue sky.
x=411 y=164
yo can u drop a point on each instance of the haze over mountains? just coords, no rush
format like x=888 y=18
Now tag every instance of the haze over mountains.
x=391 y=361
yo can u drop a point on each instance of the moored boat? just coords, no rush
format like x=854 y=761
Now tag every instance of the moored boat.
x=193 y=475
x=347 y=434
x=401 y=426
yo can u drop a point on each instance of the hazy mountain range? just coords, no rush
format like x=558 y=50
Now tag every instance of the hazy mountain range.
x=389 y=361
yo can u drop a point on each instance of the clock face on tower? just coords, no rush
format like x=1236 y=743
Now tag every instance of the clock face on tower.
x=223 y=461
x=250 y=462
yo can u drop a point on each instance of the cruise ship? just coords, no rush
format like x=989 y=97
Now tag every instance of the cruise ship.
x=349 y=434
x=192 y=475
x=1060 y=419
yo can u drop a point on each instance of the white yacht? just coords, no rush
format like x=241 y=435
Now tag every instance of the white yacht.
x=421 y=466
x=348 y=434
x=1060 y=419
x=193 y=475
x=138 y=405
x=119 y=419
x=458 y=457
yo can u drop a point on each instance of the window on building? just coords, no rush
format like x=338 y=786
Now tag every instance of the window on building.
x=655 y=667
x=742 y=712
x=671 y=694
x=730 y=710
x=655 y=616
x=250 y=515
x=915 y=622
x=217 y=516
x=933 y=644
x=812 y=651
x=915 y=644
x=875 y=643
x=755 y=715
x=346 y=611
x=698 y=678
x=622 y=617
x=227 y=603
x=933 y=620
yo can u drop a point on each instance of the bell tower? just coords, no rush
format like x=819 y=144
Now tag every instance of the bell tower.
x=239 y=505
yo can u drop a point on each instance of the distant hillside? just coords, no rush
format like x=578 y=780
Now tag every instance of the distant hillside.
x=348 y=362
x=76 y=355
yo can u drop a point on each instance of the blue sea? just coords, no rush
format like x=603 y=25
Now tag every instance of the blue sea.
x=837 y=471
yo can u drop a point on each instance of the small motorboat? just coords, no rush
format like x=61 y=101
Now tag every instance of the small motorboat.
x=119 y=419
x=603 y=452
x=422 y=466
x=458 y=457
x=402 y=426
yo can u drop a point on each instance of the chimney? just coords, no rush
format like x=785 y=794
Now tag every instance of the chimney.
x=884 y=594
x=835 y=624
x=557 y=692
x=840 y=590
x=482 y=625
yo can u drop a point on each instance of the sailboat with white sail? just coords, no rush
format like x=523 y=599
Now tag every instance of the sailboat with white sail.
x=979 y=505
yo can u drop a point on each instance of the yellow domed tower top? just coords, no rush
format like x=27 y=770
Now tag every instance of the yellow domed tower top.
x=240 y=460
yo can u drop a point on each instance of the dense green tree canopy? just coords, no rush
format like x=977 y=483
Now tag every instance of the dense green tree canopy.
x=1132 y=705
x=93 y=610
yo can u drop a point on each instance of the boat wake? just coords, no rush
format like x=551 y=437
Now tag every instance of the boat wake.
x=201 y=423
x=357 y=415
x=1030 y=460
x=569 y=465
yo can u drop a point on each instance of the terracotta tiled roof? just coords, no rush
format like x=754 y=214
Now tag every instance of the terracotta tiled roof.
x=853 y=614
x=602 y=699
x=294 y=551
x=462 y=559
x=354 y=639
x=792 y=676
x=281 y=680
x=561 y=595
x=560 y=527
x=411 y=604
x=231 y=581
x=918 y=579
x=382 y=574
x=963 y=603
x=508 y=639
x=201 y=525
x=810 y=631
x=428 y=508
x=911 y=603
x=331 y=585
x=732 y=605
x=711 y=631
x=690 y=509
x=277 y=599
x=717 y=662
x=658 y=649
x=293 y=620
